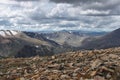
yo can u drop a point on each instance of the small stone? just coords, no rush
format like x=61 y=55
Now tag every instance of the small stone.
x=53 y=66
x=53 y=57
x=96 y=63
x=55 y=71
x=61 y=67
x=99 y=78
x=36 y=58
x=81 y=78
x=80 y=54
x=35 y=76
x=113 y=56
x=22 y=78
x=77 y=70
x=107 y=69
x=108 y=76
x=53 y=77
x=74 y=74
x=119 y=58
x=43 y=78
x=64 y=76
x=70 y=64
x=93 y=73
x=47 y=71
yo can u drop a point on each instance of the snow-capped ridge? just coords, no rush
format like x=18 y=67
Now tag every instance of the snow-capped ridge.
x=7 y=33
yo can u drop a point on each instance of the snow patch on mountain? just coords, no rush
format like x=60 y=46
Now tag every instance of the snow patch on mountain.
x=6 y=33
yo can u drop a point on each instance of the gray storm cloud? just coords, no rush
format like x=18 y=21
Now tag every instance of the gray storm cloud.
x=75 y=1
x=60 y=14
x=113 y=6
x=27 y=0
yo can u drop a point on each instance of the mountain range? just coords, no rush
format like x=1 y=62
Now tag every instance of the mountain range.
x=27 y=44
x=14 y=43
x=71 y=38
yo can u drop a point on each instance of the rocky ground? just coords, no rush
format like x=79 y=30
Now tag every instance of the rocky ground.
x=80 y=65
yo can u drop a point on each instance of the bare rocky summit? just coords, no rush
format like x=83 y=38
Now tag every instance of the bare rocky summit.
x=80 y=65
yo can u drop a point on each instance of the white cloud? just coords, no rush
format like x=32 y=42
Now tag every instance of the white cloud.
x=60 y=10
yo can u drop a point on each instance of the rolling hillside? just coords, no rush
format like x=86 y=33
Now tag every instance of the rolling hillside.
x=109 y=40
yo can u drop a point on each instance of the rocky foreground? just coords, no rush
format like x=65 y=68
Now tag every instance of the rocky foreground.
x=80 y=65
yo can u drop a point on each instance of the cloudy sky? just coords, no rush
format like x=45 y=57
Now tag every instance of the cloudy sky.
x=99 y=15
